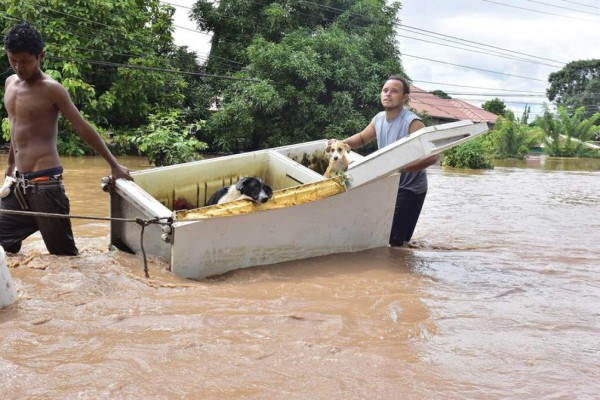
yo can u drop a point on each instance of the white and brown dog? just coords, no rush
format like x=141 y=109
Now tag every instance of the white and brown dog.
x=338 y=159
x=249 y=188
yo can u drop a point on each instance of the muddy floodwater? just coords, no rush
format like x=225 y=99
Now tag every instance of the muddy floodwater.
x=499 y=298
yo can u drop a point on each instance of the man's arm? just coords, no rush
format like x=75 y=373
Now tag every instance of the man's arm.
x=415 y=126
x=363 y=137
x=10 y=168
x=87 y=131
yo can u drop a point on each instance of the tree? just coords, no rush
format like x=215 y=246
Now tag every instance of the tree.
x=113 y=56
x=441 y=94
x=305 y=70
x=495 y=106
x=565 y=135
x=512 y=138
x=576 y=85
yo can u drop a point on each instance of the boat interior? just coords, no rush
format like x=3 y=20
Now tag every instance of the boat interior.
x=195 y=182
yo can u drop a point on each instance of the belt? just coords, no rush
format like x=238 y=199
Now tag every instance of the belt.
x=46 y=176
x=44 y=173
x=35 y=183
x=45 y=179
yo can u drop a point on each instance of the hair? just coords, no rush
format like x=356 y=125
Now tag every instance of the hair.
x=24 y=38
x=404 y=83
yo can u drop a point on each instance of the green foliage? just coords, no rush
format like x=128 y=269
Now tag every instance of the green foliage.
x=565 y=134
x=5 y=129
x=165 y=142
x=576 y=85
x=311 y=70
x=471 y=155
x=89 y=45
x=495 y=106
x=510 y=138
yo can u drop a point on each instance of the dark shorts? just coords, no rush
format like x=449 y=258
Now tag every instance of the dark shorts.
x=406 y=215
x=42 y=198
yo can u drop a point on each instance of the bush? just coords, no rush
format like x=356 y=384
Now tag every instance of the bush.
x=167 y=141
x=472 y=155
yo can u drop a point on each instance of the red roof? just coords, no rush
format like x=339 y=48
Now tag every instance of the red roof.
x=450 y=109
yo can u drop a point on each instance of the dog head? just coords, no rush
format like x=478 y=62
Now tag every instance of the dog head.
x=337 y=149
x=255 y=189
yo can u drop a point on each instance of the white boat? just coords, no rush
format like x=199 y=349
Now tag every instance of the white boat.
x=309 y=215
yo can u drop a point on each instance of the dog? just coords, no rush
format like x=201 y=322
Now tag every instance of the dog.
x=250 y=188
x=338 y=159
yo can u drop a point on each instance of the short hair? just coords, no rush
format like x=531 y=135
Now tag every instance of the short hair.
x=24 y=38
x=404 y=83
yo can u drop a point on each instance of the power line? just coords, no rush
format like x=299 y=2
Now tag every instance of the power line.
x=462 y=66
x=563 y=8
x=482 y=44
x=474 y=68
x=580 y=4
x=474 y=87
x=420 y=31
x=481 y=52
x=141 y=67
x=483 y=94
x=541 y=12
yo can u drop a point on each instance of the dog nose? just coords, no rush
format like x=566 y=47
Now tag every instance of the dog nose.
x=335 y=157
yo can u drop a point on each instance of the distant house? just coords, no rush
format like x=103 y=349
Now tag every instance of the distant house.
x=447 y=110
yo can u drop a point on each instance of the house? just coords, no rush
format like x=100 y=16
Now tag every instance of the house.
x=447 y=110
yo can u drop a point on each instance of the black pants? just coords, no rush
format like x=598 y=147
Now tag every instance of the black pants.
x=406 y=215
x=43 y=198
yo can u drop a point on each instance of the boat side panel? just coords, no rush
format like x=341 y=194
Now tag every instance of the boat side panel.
x=129 y=202
x=348 y=222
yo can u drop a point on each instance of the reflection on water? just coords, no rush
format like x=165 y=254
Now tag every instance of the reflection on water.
x=498 y=298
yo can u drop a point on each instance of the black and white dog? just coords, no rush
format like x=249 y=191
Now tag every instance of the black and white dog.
x=250 y=188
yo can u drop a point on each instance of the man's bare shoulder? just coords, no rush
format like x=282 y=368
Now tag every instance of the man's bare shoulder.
x=10 y=80
x=52 y=88
x=50 y=82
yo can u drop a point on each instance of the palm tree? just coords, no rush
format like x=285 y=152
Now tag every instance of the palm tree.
x=567 y=135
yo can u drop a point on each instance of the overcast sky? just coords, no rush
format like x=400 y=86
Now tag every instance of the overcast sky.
x=548 y=33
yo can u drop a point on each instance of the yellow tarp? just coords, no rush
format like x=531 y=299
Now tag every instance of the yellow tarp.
x=281 y=198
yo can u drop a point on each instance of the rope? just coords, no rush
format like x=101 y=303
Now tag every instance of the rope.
x=142 y=222
x=53 y=215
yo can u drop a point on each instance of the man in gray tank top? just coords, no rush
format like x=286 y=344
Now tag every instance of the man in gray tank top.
x=390 y=125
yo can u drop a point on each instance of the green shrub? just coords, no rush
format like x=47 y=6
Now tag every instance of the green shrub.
x=471 y=155
x=167 y=141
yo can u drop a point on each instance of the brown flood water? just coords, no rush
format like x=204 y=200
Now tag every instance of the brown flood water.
x=500 y=298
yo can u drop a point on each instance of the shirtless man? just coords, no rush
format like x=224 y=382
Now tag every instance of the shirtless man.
x=33 y=101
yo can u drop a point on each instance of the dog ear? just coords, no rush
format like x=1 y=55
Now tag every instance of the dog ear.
x=347 y=147
x=268 y=190
x=240 y=184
